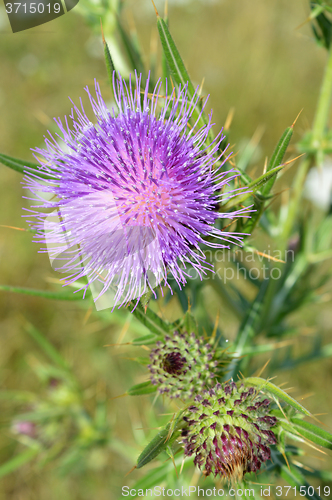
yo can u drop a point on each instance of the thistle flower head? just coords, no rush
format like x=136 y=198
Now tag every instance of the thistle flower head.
x=25 y=428
x=134 y=195
x=228 y=430
x=182 y=365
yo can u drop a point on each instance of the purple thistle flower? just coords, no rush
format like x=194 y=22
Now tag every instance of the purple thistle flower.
x=134 y=195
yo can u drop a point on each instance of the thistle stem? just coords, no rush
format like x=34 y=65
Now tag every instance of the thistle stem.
x=318 y=130
x=270 y=309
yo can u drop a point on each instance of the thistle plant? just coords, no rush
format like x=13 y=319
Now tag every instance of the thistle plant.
x=134 y=202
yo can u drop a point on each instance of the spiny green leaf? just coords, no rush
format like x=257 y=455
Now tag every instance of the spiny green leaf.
x=132 y=50
x=151 y=338
x=276 y=391
x=164 y=438
x=253 y=187
x=110 y=68
x=23 y=166
x=178 y=70
x=141 y=389
x=154 y=448
x=277 y=157
x=313 y=432
x=173 y=57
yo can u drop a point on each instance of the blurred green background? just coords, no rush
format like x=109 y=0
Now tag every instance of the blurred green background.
x=254 y=58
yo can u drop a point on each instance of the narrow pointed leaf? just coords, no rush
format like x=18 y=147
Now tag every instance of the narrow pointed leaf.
x=23 y=166
x=164 y=438
x=154 y=448
x=151 y=338
x=17 y=462
x=132 y=50
x=178 y=70
x=276 y=391
x=110 y=68
x=277 y=157
x=313 y=433
x=47 y=347
x=173 y=58
x=142 y=389
x=253 y=187
x=43 y=293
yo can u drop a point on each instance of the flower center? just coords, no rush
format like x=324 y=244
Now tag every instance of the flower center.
x=173 y=363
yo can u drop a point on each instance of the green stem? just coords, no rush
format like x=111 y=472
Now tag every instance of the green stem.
x=318 y=130
x=323 y=106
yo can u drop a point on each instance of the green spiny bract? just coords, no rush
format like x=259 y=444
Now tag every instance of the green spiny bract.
x=183 y=365
x=228 y=431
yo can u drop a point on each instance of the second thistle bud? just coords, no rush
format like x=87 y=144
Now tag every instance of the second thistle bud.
x=182 y=365
x=228 y=431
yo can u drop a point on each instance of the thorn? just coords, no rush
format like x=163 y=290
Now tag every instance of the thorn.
x=265 y=166
x=262 y=254
x=262 y=369
x=173 y=86
x=296 y=118
x=308 y=395
x=147 y=428
x=229 y=119
x=172 y=458
x=282 y=411
x=121 y=396
x=87 y=316
x=102 y=32
x=285 y=457
x=124 y=331
x=13 y=227
x=155 y=8
x=215 y=325
x=166 y=9
x=153 y=95
x=293 y=159
x=302 y=466
x=131 y=470
x=201 y=86
x=116 y=345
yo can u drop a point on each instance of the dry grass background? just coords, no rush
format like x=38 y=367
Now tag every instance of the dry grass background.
x=253 y=59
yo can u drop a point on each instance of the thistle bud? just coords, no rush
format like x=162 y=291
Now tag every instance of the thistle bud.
x=228 y=430
x=182 y=365
x=25 y=428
